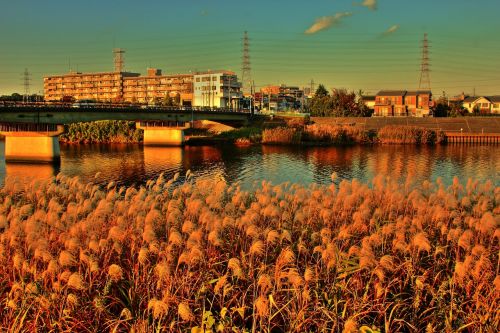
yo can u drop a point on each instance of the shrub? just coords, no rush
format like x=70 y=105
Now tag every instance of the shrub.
x=106 y=131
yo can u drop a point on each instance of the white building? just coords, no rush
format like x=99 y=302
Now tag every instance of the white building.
x=217 y=89
x=483 y=104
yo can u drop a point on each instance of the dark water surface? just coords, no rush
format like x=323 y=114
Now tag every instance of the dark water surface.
x=135 y=164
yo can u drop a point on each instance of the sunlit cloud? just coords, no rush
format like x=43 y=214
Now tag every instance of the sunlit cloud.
x=371 y=4
x=391 y=30
x=326 y=22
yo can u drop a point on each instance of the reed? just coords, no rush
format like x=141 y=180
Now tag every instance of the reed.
x=400 y=134
x=205 y=256
x=281 y=135
x=336 y=134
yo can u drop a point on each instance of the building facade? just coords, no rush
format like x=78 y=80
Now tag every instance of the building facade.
x=369 y=101
x=219 y=89
x=156 y=88
x=402 y=103
x=106 y=86
x=482 y=104
x=280 y=98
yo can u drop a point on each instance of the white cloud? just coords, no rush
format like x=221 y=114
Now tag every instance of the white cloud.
x=326 y=22
x=391 y=30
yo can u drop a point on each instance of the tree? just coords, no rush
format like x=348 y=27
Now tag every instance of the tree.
x=341 y=103
x=15 y=97
x=321 y=91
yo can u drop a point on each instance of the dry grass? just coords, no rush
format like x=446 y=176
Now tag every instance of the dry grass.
x=335 y=134
x=402 y=134
x=281 y=135
x=208 y=255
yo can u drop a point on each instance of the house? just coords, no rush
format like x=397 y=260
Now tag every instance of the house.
x=482 y=104
x=369 y=101
x=418 y=103
x=390 y=103
x=402 y=103
x=495 y=104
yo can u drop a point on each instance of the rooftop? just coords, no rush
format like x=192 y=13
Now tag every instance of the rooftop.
x=391 y=93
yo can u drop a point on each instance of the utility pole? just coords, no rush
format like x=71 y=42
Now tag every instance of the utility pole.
x=312 y=87
x=26 y=84
x=425 y=80
x=252 y=102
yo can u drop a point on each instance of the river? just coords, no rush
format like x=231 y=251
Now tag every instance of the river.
x=134 y=164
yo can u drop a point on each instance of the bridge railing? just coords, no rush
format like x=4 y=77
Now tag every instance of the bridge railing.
x=124 y=107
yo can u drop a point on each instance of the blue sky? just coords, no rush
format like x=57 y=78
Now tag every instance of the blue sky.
x=351 y=46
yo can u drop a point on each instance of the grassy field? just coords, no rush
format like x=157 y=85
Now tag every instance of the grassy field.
x=204 y=256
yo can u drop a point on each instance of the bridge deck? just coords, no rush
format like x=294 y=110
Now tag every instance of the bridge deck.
x=66 y=115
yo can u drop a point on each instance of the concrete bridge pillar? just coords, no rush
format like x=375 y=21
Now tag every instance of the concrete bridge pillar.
x=163 y=133
x=35 y=143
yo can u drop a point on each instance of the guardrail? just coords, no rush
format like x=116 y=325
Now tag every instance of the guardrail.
x=108 y=106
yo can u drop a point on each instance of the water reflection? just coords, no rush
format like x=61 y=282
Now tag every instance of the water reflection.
x=134 y=164
x=31 y=171
x=158 y=159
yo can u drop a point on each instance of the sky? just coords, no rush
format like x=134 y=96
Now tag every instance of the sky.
x=365 y=45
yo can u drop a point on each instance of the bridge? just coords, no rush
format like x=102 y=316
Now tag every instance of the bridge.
x=31 y=132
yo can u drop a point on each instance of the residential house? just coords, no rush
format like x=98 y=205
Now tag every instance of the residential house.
x=402 y=103
x=482 y=104
x=390 y=103
x=418 y=103
x=369 y=101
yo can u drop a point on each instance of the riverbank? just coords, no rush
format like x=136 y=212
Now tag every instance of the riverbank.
x=320 y=131
x=306 y=135
x=179 y=254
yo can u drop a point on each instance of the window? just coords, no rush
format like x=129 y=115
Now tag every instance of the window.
x=495 y=106
x=197 y=79
x=484 y=105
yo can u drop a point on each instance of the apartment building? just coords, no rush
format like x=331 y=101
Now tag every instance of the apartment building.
x=219 y=89
x=120 y=87
x=104 y=86
x=393 y=103
x=156 y=88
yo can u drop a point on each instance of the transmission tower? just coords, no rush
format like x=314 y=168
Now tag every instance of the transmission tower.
x=26 y=84
x=246 y=76
x=425 y=79
x=118 y=59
